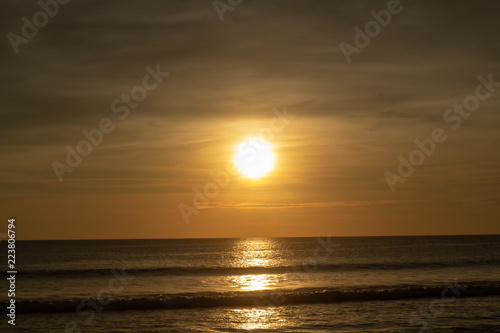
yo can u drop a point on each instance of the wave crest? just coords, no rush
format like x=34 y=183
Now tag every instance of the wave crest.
x=254 y=298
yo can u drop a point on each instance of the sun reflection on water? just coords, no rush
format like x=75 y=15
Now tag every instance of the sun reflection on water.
x=253 y=253
x=255 y=282
x=258 y=319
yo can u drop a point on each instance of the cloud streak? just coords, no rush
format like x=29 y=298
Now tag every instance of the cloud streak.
x=267 y=205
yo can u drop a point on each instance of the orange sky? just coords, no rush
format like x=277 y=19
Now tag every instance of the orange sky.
x=350 y=121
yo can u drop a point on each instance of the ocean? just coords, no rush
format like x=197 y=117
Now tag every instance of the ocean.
x=324 y=284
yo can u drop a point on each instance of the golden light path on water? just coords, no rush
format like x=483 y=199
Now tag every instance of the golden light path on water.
x=254 y=282
x=258 y=319
x=257 y=253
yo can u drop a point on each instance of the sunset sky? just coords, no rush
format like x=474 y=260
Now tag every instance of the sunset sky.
x=347 y=124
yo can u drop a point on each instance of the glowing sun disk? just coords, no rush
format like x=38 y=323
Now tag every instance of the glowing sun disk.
x=254 y=158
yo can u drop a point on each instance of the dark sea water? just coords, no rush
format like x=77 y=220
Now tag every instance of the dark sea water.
x=353 y=284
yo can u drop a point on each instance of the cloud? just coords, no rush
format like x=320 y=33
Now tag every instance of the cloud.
x=267 y=205
x=354 y=120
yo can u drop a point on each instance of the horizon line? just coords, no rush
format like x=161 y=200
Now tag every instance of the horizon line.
x=184 y=238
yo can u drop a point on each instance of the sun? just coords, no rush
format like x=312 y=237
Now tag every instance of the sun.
x=254 y=158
